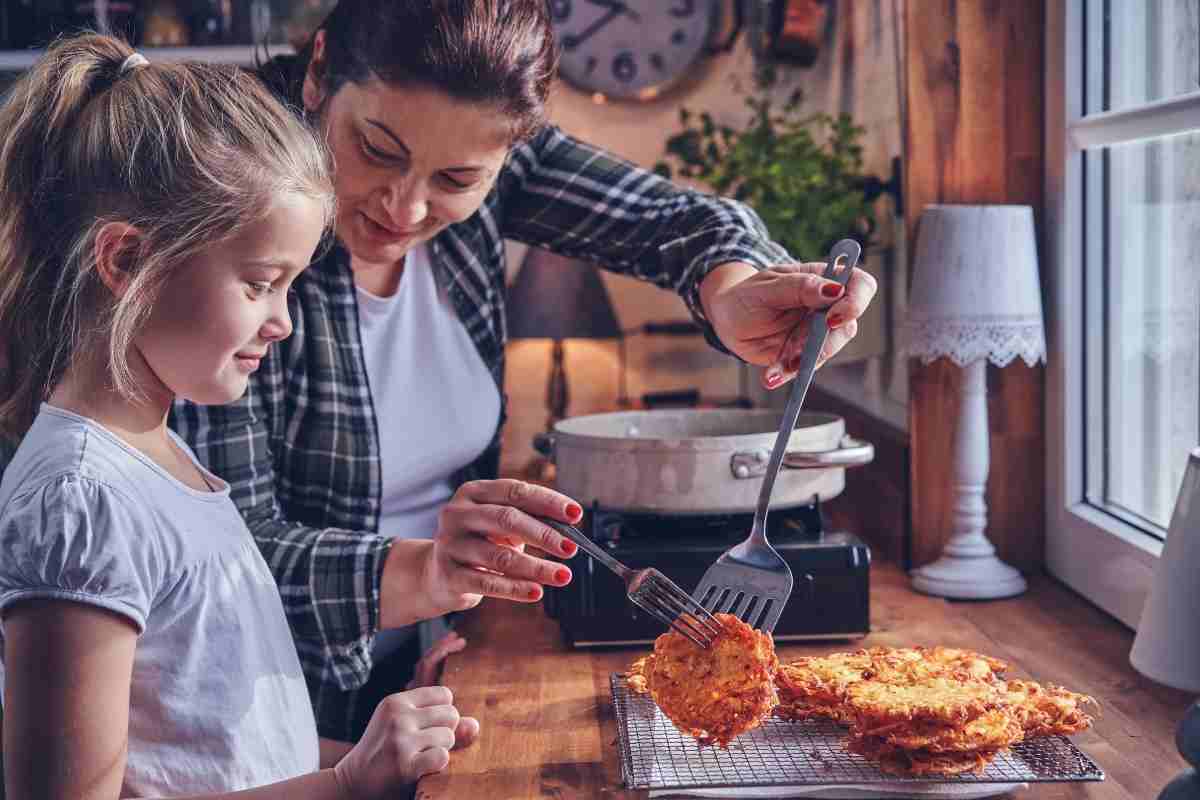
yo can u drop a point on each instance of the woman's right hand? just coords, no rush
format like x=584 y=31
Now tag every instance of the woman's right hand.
x=479 y=548
x=410 y=735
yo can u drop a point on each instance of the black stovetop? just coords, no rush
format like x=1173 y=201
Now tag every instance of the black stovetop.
x=830 y=568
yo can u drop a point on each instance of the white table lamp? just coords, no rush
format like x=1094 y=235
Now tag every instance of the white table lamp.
x=975 y=298
x=1167 y=646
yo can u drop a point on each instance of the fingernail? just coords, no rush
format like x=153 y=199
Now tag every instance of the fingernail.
x=535 y=593
x=574 y=512
x=774 y=376
x=831 y=290
x=569 y=548
x=562 y=576
x=835 y=321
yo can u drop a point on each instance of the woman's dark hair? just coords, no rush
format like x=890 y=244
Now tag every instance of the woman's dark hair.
x=490 y=51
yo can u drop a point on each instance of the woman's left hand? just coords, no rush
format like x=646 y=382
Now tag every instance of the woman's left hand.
x=428 y=669
x=428 y=672
x=758 y=314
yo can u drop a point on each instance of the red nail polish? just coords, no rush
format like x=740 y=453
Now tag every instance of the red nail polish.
x=834 y=322
x=773 y=380
x=569 y=548
x=574 y=512
x=535 y=593
x=831 y=290
x=562 y=576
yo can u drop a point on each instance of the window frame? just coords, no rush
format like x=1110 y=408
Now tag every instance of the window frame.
x=1103 y=557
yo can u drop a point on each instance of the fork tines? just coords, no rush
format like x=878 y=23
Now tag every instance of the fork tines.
x=662 y=598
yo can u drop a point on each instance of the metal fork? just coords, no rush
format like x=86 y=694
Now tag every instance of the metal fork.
x=751 y=580
x=651 y=591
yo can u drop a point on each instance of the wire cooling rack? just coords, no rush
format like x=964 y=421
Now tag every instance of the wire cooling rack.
x=655 y=755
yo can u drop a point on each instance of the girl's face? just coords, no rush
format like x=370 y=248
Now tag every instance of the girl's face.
x=218 y=312
x=409 y=162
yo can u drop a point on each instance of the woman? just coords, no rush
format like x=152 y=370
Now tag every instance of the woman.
x=376 y=425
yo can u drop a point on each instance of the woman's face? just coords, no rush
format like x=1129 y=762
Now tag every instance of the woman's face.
x=409 y=161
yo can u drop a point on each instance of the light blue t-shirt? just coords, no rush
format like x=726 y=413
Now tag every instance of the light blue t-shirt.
x=218 y=700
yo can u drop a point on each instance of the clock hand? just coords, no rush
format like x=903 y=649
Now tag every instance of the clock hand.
x=573 y=40
x=618 y=5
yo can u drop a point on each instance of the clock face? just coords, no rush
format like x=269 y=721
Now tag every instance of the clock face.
x=630 y=48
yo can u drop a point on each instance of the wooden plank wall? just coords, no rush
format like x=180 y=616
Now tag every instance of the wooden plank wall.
x=973 y=134
x=875 y=503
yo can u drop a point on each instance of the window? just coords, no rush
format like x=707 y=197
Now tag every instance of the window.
x=1123 y=261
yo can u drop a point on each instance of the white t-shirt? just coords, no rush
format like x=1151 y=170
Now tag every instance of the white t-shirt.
x=436 y=406
x=218 y=701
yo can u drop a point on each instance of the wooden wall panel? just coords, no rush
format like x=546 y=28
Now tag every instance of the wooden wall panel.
x=875 y=502
x=973 y=134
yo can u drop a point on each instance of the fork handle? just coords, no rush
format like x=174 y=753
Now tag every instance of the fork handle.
x=588 y=546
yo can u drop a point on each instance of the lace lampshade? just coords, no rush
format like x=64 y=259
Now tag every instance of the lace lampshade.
x=975 y=292
x=974 y=299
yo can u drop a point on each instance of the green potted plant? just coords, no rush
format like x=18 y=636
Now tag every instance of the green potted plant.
x=801 y=173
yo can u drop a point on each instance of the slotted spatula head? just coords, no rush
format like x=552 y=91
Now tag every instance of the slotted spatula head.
x=751 y=580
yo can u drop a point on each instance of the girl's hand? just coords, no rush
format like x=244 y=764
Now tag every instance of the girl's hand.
x=759 y=315
x=479 y=548
x=428 y=672
x=410 y=735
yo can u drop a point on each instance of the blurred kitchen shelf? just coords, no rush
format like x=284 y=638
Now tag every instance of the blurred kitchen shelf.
x=16 y=60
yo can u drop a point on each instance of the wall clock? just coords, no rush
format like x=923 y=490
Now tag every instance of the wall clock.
x=631 y=49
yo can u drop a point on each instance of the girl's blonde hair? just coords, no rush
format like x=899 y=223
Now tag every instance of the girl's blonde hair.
x=188 y=154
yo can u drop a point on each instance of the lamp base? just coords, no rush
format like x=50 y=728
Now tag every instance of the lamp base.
x=968 y=568
x=972 y=578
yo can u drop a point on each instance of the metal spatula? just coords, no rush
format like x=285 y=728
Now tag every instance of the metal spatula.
x=751 y=580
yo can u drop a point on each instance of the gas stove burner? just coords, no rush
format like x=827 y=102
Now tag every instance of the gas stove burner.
x=800 y=522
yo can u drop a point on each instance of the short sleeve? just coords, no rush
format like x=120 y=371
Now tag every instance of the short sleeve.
x=80 y=540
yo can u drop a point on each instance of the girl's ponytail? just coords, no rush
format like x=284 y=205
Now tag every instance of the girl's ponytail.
x=38 y=118
x=187 y=154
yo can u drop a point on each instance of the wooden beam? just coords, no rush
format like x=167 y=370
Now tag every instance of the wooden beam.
x=973 y=134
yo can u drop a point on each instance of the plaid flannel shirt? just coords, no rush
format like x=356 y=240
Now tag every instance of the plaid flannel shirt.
x=300 y=448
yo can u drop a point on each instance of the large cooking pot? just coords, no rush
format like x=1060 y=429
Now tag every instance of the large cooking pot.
x=697 y=461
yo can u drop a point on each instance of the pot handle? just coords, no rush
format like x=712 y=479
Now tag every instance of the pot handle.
x=544 y=444
x=850 y=453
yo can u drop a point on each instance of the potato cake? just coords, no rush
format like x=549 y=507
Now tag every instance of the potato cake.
x=717 y=693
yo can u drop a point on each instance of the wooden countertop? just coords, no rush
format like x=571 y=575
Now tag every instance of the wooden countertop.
x=548 y=728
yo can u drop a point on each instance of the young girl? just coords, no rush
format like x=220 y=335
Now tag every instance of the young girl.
x=152 y=218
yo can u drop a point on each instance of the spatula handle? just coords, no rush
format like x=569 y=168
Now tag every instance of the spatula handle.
x=842 y=260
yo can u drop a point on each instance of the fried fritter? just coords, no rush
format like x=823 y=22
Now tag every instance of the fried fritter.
x=944 y=700
x=991 y=730
x=898 y=761
x=1047 y=710
x=918 y=710
x=909 y=664
x=718 y=693
x=955 y=660
x=635 y=676
x=815 y=686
